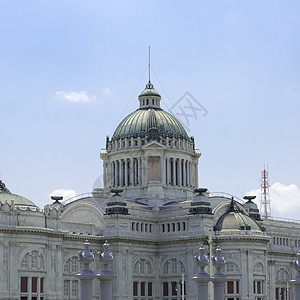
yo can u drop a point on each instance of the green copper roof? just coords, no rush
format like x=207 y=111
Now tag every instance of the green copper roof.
x=238 y=220
x=19 y=200
x=149 y=91
x=151 y=123
x=7 y=196
x=235 y=219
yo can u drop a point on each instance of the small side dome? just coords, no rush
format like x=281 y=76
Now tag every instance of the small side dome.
x=149 y=91
x=7 y=196
x=235 y=220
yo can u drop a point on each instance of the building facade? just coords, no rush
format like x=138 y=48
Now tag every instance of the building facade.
x=154 y=216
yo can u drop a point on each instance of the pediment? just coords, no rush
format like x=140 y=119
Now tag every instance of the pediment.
x=154 y=145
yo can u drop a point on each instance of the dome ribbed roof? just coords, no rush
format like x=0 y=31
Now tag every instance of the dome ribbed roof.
x=150 y=122
x=7 y=196
x=18 y=200
x=235 y=219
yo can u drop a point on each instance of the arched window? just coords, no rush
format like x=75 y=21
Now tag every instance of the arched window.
x=282 y=276
x=33 y=261
x=231 y=268
x=150 y=227
x=258 y=268
x=133 y=226
x=178 y=226
x=163 y=227
x=168 y=227
x=143 y=267
x=146 y=227
x=173 y=267
x=173 y=226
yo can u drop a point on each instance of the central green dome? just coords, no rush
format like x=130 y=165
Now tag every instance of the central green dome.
x=150 y=121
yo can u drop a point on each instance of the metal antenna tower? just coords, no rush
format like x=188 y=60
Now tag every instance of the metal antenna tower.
x=265 y=206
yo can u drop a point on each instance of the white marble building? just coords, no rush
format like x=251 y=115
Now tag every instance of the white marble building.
x=154 y=216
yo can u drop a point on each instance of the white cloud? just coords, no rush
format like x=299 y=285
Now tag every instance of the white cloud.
x=108 y=91
x=72 y=96
x=285 y=200
x=67 y=194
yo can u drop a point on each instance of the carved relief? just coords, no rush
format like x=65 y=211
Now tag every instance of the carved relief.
x=173 y=267
x=143 y=267
x=33 y=260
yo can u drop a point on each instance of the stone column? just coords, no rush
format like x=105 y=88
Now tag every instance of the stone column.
x=118 y=173
x=202 y=278
x=121 y=172
x=219 y=278
x=104 y=174
x=106 y=276
x=141 y=172
x=131 y=172
x=86 y=275
x=174 y=171
x=113 y=178
x=196 y=174
x=108 y=175
x=189 y=168
x=167 y=171
x=126 y=172
x=184 y=173
x=296 y=281
x=179 y=172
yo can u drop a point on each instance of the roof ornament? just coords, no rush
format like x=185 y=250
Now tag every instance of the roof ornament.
x=3 y=188
x=233 y=207
x=149 y=85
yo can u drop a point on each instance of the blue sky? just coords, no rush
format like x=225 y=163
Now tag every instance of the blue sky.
x=71 y=70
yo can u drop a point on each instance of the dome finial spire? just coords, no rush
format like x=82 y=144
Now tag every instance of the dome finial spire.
x=149 y=66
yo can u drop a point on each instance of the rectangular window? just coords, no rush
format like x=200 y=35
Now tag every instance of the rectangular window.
x=42 y=285
x=24 y=298
x=174 y=288
x=259 y=287
x=150 y=289
x=33 y=298
x=142 y=288
x=34 y=284
x=230 y=287
x=237 y=287
x=165 y=289
x=135 y=288
x=24 y=285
